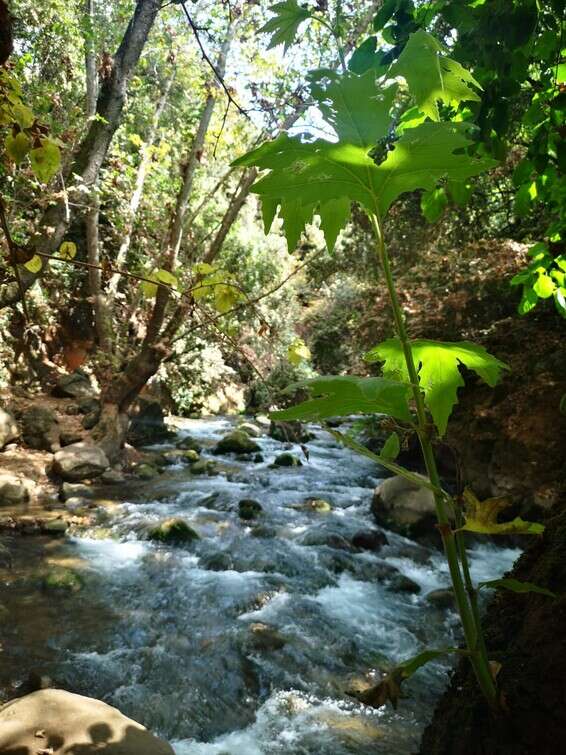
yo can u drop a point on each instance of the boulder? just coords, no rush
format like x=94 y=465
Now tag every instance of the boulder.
x=75 y=490
x=407 y=508
x=442 y=598
x=14 y=490
x=369 y=540
x=55 y=527
x=145 y=471
x=174 y=531
x=147 y=424
x=89 y=405
x=8 y=428
x=236 y=442
x=249 y=509
x=258 y=458
x=40 y=429
x=252 y=430
x=91 y=419
x=55 y=721
x=112 y=477
x=321 y=536
x=289 y=432
x=67 y=439
x=401 y=583
x=287 y=460
x=204 y=466
x=74 y=385
x=187 y=443
x=80 y=461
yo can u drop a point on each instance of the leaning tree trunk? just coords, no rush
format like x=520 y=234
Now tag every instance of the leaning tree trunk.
x=84 y=169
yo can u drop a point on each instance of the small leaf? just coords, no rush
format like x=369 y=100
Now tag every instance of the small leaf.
x=45 y=160
x=289 y=15
x=68 y=250
x=22 y=115
x=203 y=268
x=516 y=585
x=341 y=396
x=391 y=448
x=438 y=364
x=482 y=518
x=164 y=276
x=148 y=288
x=298 y=352
x=544 y=286
x=17 y=146
x=389 y=688
x=528 y=301
x=363 y=58
x=34 y=265
x=225 y=297
x=433 y=204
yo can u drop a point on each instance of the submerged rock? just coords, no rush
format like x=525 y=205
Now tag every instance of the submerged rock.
x=442 y=598
x=56 y=721
x=289 y=432
x=174 y=531
x=187 y=443
x=62 y=580
x=265 y=637
x=204 y=466
x=236 y=442
x=287 y=460
x=80 y=462
x=369 y=540
x=249 y=509
x=252 y=430
x=317 y=504
x=402 y=583
x=145 y=471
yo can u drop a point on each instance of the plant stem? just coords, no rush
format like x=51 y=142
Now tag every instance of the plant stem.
x=470 y=625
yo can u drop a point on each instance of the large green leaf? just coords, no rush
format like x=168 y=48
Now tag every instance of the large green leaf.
x=431 y=75
x=289 y=15
x=481 y=518
x=515 y=585
x=341 y=396
x=438 y=369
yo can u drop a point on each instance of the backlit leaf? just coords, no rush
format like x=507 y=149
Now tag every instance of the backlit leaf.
x=289 y=15
x=298 y=352
x=34 y=265
x=164 y=276
x=391 y=447
x=341 y=396
x=432 y=76
x=438 y=369
x=17 y=146
x=45 y=160
x=68 y=250
x=544 y=286
x=22 y=115
x=433 y=204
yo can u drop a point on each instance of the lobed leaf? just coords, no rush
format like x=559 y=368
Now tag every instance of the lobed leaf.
x=481 y=517
x=515 y=585
x=438 y=364
x=341 y=396
x=284 y=26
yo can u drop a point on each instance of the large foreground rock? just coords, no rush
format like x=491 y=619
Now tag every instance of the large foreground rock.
x=236 y=442
x=80 y=462
x=147 y=424
x=57 y=722
x=40 y=429
x=74 y=385
x=406 y=508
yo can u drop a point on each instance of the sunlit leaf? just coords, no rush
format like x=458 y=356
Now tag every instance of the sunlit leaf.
x=225 y=297
x=438 y=370
x=34 y=265
x=68 y=250
x=45 y=160
x=481 y=517
x=164 y=276
x=391 y=447
x=298 y=352
x=17 y=146
x=544 y=286
x=22 y=115
x=341 y=396
x=432 y=76
x=289 y=15
x=516 y=585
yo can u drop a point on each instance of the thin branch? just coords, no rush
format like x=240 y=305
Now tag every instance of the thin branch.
x=219 y=78
x=12 y=249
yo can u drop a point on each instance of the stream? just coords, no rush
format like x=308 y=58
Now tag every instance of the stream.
x=166 y=634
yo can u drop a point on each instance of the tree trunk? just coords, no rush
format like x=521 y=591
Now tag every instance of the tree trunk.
x=85 y=167
x=175 y=235
x=102 y=321
x=135 y=200
x=90 y=61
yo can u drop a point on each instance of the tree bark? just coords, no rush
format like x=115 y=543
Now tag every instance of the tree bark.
x=90 y=62
x=102 y=322
x=85 y=167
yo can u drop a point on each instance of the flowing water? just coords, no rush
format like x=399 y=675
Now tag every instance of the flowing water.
x=166 y=633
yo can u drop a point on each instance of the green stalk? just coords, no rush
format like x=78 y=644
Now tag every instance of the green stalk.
x=470 y=625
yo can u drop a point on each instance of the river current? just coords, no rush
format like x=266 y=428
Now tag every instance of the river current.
x=166 y=633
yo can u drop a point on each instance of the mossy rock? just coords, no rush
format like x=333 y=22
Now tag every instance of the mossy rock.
x=236 y=442
x=55 y=527
x=287 y=460
x=204 y=466
x=188 y=444
x=174 y=531
x=62 y=580
x=145 y=471
x=249 y=509
x=318 y=504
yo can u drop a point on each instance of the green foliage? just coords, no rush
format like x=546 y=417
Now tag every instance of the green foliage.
x=432 y=76
x=439 y=373
x=391 y=448
x=545 y=277
x=342 y=396
x=289 y=15
x=298 y=352
x=516 y=585
x=481 y=517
